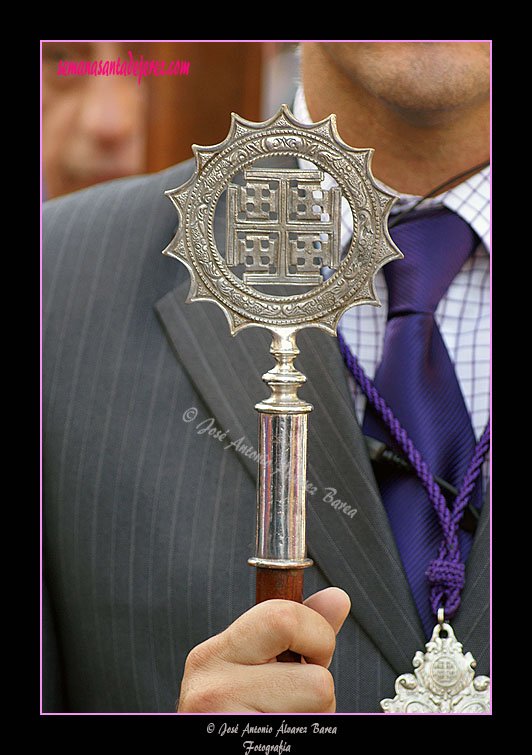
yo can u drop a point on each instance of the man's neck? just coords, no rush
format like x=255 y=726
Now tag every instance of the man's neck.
x=414 y=151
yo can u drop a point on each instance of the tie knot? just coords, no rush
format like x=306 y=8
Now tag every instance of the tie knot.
x=435 y=243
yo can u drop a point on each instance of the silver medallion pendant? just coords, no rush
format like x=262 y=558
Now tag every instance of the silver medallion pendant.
x=443 y=681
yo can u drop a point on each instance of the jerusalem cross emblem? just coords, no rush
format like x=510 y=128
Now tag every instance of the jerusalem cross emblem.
x=283 y=227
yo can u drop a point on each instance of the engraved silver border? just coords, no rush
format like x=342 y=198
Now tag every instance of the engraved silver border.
x=246 y=143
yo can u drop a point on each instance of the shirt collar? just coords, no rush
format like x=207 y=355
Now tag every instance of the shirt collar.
x=469 y=199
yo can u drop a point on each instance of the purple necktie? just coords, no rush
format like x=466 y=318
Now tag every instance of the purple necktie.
x=417 y=380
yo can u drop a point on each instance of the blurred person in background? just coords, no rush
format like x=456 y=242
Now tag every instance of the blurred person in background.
x=93 y=127
x=101 y=127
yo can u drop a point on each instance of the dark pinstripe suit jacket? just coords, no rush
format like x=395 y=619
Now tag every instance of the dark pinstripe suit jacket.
x=148 y=520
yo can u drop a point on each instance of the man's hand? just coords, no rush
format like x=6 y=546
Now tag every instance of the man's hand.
x=236 y=671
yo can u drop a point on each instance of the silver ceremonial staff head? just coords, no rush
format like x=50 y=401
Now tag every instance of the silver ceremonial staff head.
x=282 y=225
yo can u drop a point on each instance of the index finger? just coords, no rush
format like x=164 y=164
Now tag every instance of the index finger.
x=271 y=627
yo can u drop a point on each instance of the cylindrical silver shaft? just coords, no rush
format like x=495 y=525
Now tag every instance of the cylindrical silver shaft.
x=282 y=473
x=281 y=490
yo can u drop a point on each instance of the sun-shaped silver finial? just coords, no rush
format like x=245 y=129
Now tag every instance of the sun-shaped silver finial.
x=282 y=226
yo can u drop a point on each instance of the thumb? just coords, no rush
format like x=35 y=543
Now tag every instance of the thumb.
x=333 y=604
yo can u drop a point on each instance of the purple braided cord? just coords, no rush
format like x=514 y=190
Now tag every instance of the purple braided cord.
x=446 y=573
